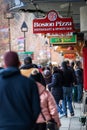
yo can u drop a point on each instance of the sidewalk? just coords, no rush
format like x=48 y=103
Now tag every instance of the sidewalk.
x=73 y=123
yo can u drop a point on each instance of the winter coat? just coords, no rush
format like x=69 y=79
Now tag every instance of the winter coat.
x=27 y=69
x=79 y=75
x=68 y=78
x=74 y=76
x=48 y=106
x=56 y=86
x=18 y=100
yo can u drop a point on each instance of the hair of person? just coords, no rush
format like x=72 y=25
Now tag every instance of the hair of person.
x=35 y=71
x=64 y=65
x=36 y=75
x=67 y=62
x=11 y=59
x=78 y=63
x=72 y=63
x=55 y=69
x=27 y=60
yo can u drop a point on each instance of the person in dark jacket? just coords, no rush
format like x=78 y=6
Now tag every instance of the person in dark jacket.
x=67 y=88
x=56 y=86
x=27 y=68
x=71 y=66
x=79 y=78
x=74 y=86
x=19 y=97
x=47 y=102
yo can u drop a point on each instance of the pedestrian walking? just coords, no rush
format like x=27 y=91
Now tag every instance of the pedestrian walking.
x=19 y=98
x=67 y=88
x=48 y=104
x=56 y=87
x=79 y=79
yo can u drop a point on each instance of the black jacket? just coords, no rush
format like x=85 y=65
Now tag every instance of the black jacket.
x=68 y=78
x=31 y=66
x=79 y=75
x=56 y=86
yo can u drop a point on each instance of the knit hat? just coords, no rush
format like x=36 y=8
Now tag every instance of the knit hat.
x=11 y=59
x=27 y=60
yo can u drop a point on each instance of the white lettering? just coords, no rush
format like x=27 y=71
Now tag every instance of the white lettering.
x=60 y=23
x=36 y=24
x=42 y=29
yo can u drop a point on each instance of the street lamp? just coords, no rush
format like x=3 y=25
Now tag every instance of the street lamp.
x=24 y=28
x=9 y=16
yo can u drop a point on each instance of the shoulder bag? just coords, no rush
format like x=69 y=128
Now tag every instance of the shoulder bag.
x=51 y=124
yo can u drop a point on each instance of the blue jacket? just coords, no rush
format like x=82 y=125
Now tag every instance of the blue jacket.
x=19 y=100
x=56 y=86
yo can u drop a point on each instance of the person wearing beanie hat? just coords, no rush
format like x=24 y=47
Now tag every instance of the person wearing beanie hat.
x=19 y=97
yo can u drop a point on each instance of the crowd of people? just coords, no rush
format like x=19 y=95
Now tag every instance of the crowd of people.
x=27 y=92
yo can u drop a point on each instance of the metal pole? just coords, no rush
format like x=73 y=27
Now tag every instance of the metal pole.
x=24 y=29
x=50 y=53
x=9 y=31
x=24 y=42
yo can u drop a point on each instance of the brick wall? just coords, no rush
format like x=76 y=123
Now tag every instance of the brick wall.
x=34 y=42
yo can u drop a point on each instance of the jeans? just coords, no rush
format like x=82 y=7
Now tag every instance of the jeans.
x=67 y=99
x=60 y=109
x=79 y=92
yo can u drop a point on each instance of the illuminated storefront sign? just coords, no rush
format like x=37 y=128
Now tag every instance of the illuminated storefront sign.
x=70 y=56
x=53 y=23
x=64 y=40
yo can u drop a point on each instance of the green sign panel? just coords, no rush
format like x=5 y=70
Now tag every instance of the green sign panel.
x=64 y=40
x=22 y=55
x=26 y=52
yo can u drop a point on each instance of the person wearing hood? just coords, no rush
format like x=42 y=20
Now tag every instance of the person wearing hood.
x=56 y=88
x=47 y=102
x=19 y=97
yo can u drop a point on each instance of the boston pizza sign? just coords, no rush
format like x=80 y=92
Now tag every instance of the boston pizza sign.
x=53 y=23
